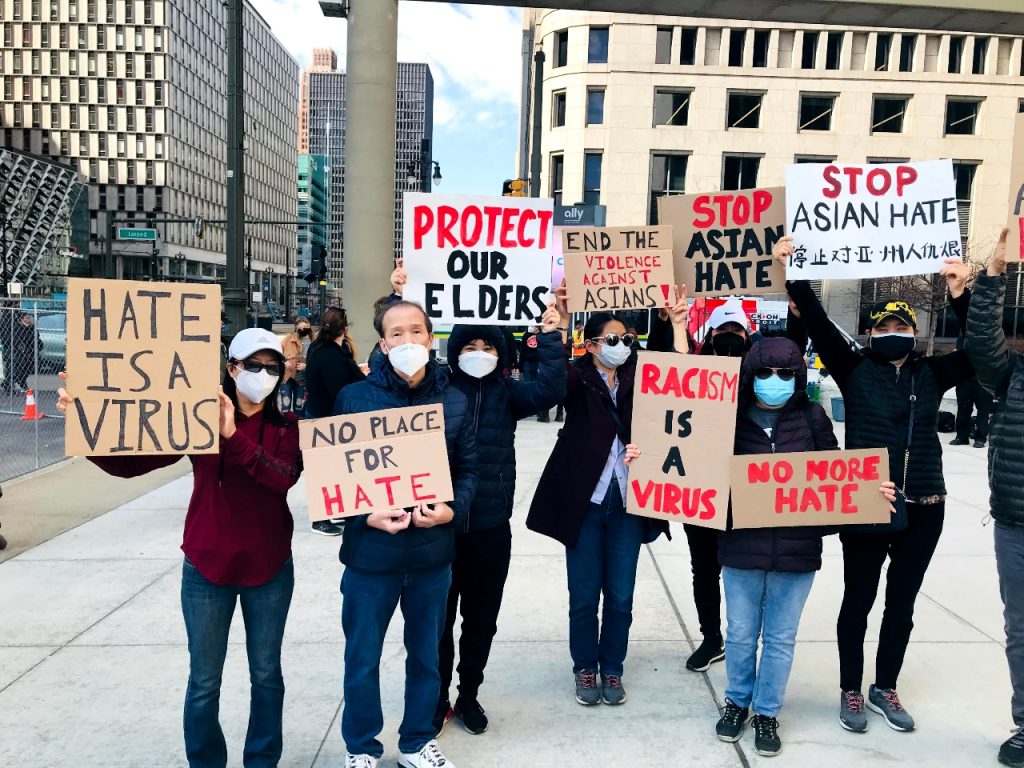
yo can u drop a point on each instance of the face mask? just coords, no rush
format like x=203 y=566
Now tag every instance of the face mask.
x=255 y=387
x=613 y=357
x=728 y=344
x=478 y=363
x=773 y=391
x=303 y=331
x=892 y=346
x=409 y=359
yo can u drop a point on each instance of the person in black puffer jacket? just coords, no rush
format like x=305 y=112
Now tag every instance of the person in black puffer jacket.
x=882 y=386
x=483 y=552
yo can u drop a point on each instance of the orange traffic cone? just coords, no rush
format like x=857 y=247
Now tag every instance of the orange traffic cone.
x=30 y=407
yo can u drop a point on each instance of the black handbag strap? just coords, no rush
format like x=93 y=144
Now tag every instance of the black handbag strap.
x=620 y=428
x=910 y=433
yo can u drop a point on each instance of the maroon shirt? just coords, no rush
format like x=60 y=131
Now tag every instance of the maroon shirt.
x=238 y=530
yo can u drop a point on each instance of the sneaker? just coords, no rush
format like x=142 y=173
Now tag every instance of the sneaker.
x=360 y=761
x=559 y=418
x=979 y=443
x=587 y=692
x=1012 y=751
x=326 y=528
x=851 y=711
x=959 y=441
x=442 y=716
x=730 y=725
x=887 y=704
x=612 y=691
x=472 y=715
x=544 y=418
x=430 y=756
x=710 y=651
x=766 y=735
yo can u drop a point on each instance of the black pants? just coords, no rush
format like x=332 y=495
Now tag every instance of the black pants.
x=909 y=552
x=970 y=394
x=707 y=594
x=478 y=582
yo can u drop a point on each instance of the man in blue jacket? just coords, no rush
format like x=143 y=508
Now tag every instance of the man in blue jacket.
x=405 y=557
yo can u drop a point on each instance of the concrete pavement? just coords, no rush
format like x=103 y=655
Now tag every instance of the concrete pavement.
x=93 y=660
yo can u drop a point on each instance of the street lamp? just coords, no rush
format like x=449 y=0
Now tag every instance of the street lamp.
x=414 y=176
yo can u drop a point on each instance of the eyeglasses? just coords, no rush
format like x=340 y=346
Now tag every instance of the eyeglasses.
x=613 y=339
x=786 y=374
x=273 y=369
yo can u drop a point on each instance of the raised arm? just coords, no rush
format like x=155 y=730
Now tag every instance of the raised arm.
x=986 y=340
x=548 y=389
x=463 y=466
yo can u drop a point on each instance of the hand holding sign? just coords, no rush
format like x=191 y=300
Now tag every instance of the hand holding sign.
x=399 y=277
x=550 y=319
x=430 y=515
x=678 y=312
x=956 y=273
x=388 y=520
x=227 y=416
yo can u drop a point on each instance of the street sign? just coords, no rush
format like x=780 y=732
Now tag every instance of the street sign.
x=257 y=297
x=135 y=233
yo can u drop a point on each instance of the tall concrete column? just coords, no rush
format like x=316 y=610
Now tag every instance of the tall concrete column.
x=369 y=232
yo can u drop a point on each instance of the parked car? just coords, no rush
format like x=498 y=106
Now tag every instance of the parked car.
x=53 y=341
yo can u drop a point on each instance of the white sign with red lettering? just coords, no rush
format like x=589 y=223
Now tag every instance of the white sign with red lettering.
x=478 y=260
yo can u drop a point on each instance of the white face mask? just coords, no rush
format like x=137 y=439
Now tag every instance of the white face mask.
x=255 y=387
x=478 y=363
x=615 y=356
x=409 y=359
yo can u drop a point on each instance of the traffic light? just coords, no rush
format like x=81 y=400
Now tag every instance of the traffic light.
x=514 y=188
x=317 y=264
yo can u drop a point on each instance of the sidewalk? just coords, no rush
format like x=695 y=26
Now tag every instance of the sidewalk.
x=93 y=660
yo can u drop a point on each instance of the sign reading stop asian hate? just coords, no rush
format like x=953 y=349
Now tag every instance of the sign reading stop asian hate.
x=360 y=463
x=1015 y=240
x=478 y=260
x=684 y=421
x=722 y=244
x=861 y=221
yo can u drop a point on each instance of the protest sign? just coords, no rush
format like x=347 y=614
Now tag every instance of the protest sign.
x=557 y=260
x=478 y=260
x=780 y=490
x=684 y=421
x=365 y=462
x=859 y=221
x=609 y=268
x=1015 y=240
x=722 y=242
x=143 y=362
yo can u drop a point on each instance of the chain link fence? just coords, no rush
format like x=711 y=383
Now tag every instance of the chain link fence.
x=33 y=344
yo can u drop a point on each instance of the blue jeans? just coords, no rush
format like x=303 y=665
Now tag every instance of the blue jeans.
x=603 y=563
x=208 y=608
x=766 y=604
x=293 y=396
x=368 y=603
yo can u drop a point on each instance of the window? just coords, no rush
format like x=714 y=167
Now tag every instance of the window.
x=739 y=171
x=93 y=122
x=94 y=170
x=147 y=63
x=101 y=91
x=63 y=35
x=37 y=116
x=131 y=166
x=44 y=35
x=980 y=54
x=963 y=175
x=129 y=12
x=83 y=37
x=668 y=177
x=737 y=41
x=561 y=57
x=888 y=114
x=139 y=40
x=111 y=119
x=130 y=120
x=555 y=184
x=558 y=109
x=102 y=152
x=101 y=38
x=73 y=64
x=595 y=106
x=8 y=36
x=804 y=159
x=158 y=39
x=663 y=46
x=883 y=49
x=956 y=54
x=762 y=39
x=592 y=178
x=816 y=112
x=120 y=92
x=907 y=45
x=671 y=107
x=140 y=146
x=961 y=117
x=744 y=110
x=119 y=38
x=158 y=93
x=147 y=12
x=688 y=46
x=111 y=65
x=150 y=171
x=158 y=146
x=834 y=51
x=809 y=55
x=83 y=90
x=597 y=52
x=37 y=65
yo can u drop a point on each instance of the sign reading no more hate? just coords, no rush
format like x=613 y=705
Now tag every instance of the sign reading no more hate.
x=478 y=260
x=1015 y=240
x=861 y=221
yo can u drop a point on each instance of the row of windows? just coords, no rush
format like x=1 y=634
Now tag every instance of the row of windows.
x=105 y=92
x=26 y=10
x=146 y=66
x=116 y=38
x=90 y=118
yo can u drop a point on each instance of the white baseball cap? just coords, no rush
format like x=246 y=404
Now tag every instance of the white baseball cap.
x=253 y=340
x=729 y=312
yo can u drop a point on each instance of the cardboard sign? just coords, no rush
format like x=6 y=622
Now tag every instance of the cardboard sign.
x=722 y=242
x=364 y=462
x=781 y=490
x=1015 y=240
x=143 y=363
x=858 y=221
x=684 y=420
x=478 y=260
x=609 y=268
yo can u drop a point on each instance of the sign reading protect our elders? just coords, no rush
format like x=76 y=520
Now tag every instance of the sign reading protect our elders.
x=684 y=420
x=365 y=462
x=143 y=363
x=1015 y=240
x=818 y=488
x=859 y=221
x=478 y=260
x=722 y=242
x=609 y=268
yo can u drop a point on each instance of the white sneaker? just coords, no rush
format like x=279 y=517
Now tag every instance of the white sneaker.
x=430 y=756
x=360 y=761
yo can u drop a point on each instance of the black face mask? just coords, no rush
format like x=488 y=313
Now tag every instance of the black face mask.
x=728 y=344
x=303 y=331
x=891 y=346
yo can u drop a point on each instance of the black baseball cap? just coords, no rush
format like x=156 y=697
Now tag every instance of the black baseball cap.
x=898 y=309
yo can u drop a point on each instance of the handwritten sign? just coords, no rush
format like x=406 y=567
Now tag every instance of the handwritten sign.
x=1015 y=241
x=478 y=260
x=684 y=420
x=722 y=243
x=609 y=268
x=858 y=221
x=364 y=462
x=818 y=488
x=143 y=362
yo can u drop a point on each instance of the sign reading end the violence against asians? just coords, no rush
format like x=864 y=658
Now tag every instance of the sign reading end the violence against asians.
x=366 y=462
x=478 y=260
x=684 y=420
x=1015 y=240
x=143 y=363
x=828 y=488
x=723 y=241
x=859 y=221
x=609 y=268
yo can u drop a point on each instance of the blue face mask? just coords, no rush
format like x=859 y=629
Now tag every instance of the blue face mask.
x=773 y=391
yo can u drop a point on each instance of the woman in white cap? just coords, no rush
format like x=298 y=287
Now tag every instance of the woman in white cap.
x=237 y=546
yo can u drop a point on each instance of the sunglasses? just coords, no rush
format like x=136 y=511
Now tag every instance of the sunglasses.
x=786 y=374
x=613 y=339
x=273 y=369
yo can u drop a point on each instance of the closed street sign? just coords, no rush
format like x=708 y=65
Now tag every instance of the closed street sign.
x=134 y=233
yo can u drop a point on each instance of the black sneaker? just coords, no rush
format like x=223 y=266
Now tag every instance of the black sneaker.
x=710 y=651
x=1012 y=751
x=472 y=715
x=442 y=716
x=730 y=725
x=979 y=443
x=959 y=441
x=327 y=528
x=766 y=735
x=544 y=418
